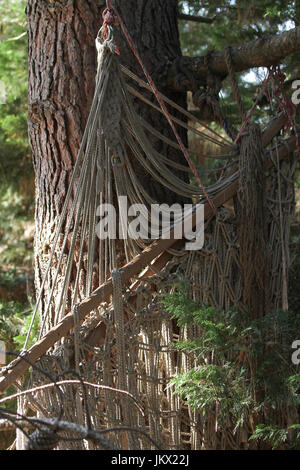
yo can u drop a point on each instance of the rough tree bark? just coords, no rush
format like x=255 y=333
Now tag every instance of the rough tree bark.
x=62 y=66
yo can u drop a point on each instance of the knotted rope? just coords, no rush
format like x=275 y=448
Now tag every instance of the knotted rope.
x=145 y=362
x=116 y=276
x=112 y=17
x=252 y=223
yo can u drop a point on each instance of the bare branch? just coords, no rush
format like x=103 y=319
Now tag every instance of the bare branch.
x=16 y=38
x=72 y=382
x=261 y=52
x=81 y=431
x=196 y=19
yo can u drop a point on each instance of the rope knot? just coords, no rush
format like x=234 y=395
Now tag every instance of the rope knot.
x=109 y=19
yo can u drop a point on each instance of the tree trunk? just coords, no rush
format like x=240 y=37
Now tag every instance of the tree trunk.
x=62 y=69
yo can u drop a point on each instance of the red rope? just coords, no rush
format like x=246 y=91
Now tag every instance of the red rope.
x=248 y=117
x=285 y=105
x=111 y=17
x=284 y=102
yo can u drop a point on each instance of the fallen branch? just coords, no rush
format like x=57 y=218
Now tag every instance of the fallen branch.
x=52 y=424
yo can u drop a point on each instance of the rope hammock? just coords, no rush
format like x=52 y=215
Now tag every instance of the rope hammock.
x=125 y=313
x=114 y=142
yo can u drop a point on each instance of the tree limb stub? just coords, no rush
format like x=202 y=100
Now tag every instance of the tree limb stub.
x=262 y=52
x=129 y=271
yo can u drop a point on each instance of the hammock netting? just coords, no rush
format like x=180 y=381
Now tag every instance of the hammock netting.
x=134 y=354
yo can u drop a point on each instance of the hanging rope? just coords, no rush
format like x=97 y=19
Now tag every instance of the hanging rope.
x=116 y=277
x=111 y=17
x=235 y=87
x=136 y=354
x=252 y=223
x=264 y=87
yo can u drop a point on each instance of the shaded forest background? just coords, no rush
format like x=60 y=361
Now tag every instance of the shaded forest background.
x=235 y=22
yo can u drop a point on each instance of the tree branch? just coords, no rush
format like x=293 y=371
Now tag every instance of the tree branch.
x=15 y=38
x=196 y=19
x=263 y=52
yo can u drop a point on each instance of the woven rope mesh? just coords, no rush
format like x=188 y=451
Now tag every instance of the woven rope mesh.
x=145 y=358
x=135 y=354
